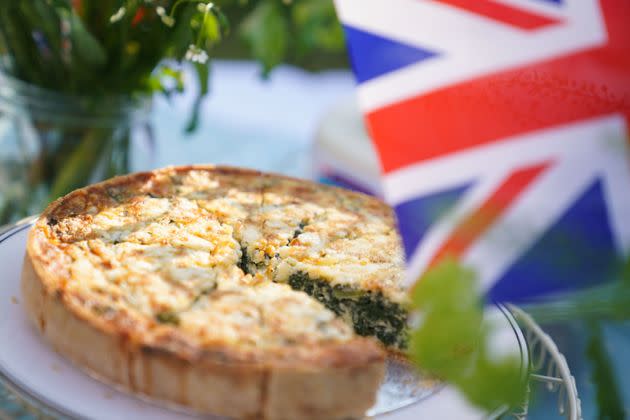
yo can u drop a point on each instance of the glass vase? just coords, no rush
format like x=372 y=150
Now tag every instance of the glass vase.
x=52 y=143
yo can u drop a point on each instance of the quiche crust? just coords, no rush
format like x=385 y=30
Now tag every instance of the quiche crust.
x=326 y=373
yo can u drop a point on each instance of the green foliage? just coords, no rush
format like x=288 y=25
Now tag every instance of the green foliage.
x=106 y=56
x=609 y=401
x=86 y=49
x=594 y=305
x=453 y=342
x=266 y=30
x=317 y=26
x=111 y=47
x=204 y=87
x=276 y=31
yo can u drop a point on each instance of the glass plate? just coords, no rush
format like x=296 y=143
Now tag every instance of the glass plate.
x=36 y=382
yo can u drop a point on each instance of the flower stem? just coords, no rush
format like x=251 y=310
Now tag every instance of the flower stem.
x=82 y=161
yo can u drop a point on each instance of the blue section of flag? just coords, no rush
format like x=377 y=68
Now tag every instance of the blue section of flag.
x=343 y=182
x=416 y=216
x=373 y=55
x=577 y=251
x=553 y=1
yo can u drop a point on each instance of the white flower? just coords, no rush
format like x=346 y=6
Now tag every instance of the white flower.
x=166 y=19
x=196 y=54
x=118 y=15
x=205 y=7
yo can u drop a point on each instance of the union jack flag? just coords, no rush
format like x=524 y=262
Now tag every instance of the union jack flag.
x=502 y=129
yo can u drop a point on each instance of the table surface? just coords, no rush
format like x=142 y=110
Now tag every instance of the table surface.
x=267 y=125
x=270 y=126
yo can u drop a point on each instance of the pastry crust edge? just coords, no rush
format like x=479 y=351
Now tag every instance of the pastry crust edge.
x=340 y=383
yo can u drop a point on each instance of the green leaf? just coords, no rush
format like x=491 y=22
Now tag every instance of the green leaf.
x=25 y=61
x=609 y=401
x=266 y=31
x=224 y=22
x=45 y=21
x=608 y=301
x=181 y=35
x=202 y=70
x=175 y=75
x=60 y=4
x=48 y=20
x=453 y=343
x=85 y=46
x=211 y=28
x=317 y=26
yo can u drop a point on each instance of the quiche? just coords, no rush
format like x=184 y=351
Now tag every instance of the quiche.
x=224 y=290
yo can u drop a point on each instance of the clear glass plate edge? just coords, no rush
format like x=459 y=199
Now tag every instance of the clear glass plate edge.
x=23 y=402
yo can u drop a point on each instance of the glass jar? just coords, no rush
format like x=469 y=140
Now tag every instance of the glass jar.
x=52 y=143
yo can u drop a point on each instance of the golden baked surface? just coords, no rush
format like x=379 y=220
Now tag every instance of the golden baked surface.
x=197 y=258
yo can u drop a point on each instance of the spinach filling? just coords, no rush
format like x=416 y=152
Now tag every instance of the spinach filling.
x=247 y=265
x=168 y=317
x=371 y=313
x=172 y=317
x=244 y=263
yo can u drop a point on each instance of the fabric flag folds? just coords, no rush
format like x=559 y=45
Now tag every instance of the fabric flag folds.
x=502 y=127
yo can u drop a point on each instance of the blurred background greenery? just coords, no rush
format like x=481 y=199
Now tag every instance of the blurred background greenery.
x=77 y=77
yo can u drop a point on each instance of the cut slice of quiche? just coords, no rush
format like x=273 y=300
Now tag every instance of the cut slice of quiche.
x=225 y=290
x=340 y=247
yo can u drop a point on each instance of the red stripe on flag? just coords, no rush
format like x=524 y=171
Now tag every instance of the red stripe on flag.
x=484 y=217
x=572 y=88
x=503 y=13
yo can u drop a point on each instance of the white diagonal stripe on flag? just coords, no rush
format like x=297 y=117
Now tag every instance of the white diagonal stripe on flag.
x=440 y=28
